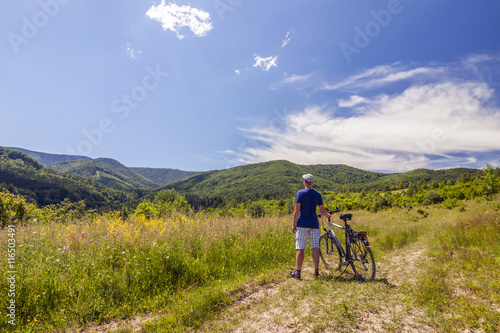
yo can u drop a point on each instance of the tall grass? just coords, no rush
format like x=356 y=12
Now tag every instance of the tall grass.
x=71 y=275
x=461 y=286
x=388 y=230
x=185 y=269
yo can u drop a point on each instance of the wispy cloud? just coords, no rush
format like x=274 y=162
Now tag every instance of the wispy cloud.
x=174 y=18
x=272 y=61
x=381 y=76
x=288 y=38
x=352 y=101
x=296 y=78
x=265 y=63
x=304 y=83
x=133 y=53
x=437 y=120
x=293 y=80
x=484 y=66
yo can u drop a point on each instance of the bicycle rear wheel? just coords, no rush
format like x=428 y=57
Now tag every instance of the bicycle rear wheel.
x=363 y=262
x=329 y=252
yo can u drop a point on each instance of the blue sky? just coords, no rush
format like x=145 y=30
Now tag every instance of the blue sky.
x=210 y=84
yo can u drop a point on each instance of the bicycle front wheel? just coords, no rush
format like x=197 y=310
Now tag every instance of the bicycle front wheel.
x=362 y=261
x=329 y=252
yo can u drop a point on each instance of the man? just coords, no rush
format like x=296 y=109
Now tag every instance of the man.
x=306 y=224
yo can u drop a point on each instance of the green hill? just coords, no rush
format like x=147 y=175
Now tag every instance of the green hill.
x=420 y=176
x=46 y=158
x=106 y=171
x=21 y=174
x=85 y=180
x=281 y=179
x=270 y=180
x=109 y=172
x=113 y=174
x=163 y=176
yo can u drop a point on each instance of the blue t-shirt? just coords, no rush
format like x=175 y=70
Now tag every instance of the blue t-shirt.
x=309 y=200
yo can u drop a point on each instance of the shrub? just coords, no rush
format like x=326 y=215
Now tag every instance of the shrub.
x=432 y=197
x=13 y=208
x=256 y=209
x=145 y=208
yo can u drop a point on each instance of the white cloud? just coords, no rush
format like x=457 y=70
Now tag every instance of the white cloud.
x=352 y=101
x=477 y=58
x=287 y=38
x=296 y=78
x=485 y=67
x=265 y=63
x=436 y=115
x=272 y=61
x=133 y=53
x=382 y=75
x=397 y=133
x=174 y=18
x=237 y=71
x=399 y=76
x=298 y=82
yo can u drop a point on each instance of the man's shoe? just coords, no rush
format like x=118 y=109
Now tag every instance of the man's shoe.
x=316 y=274
x=295 y=274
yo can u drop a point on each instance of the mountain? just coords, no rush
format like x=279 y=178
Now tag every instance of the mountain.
x=276 y=179
x=21 y=174
x=46 y=158
x=267 y=180
x=106 y=171
x=421 y=176
x=281 y=179
x=113 y=174
x=162 y=176
x=109 y=172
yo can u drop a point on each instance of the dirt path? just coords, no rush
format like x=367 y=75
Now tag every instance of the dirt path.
x=132 y=325
x=301 y=306
x=329 y=304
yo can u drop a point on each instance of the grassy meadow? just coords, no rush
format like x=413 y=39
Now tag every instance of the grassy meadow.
x=438 y=270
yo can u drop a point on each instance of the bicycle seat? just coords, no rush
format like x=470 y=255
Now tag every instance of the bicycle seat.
x=345 y=216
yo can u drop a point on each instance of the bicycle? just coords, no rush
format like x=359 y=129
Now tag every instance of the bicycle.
x=357 y=253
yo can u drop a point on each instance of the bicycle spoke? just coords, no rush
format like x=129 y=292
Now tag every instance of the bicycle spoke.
x=329 y=253
x=363 y=262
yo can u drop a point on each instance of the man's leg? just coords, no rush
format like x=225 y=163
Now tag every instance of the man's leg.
x=314 y=239
x=300 y=246
x=300 y=259
x=315 y=252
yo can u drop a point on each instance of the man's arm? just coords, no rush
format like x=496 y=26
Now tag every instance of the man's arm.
x=295 y=216
x=324 y=211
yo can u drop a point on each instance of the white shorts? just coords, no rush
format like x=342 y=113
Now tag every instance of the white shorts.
x=301 y=238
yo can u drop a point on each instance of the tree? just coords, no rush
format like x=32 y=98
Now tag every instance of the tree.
x=432 y=197
x=145 y=208
x=489 y=184
x=256 y=209
x=13 y=208
x=166 y=195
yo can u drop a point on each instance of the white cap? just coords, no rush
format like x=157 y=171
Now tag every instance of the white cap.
x=308 y=178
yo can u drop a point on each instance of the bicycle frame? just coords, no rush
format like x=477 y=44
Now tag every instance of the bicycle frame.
x=332 y=233
x=346 y=253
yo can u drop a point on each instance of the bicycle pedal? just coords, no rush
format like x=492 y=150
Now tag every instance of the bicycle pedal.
x=344 y=263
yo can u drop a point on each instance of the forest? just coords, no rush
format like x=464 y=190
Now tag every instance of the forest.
x=32 y=192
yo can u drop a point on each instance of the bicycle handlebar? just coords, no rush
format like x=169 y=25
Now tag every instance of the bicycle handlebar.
x=330 y=212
